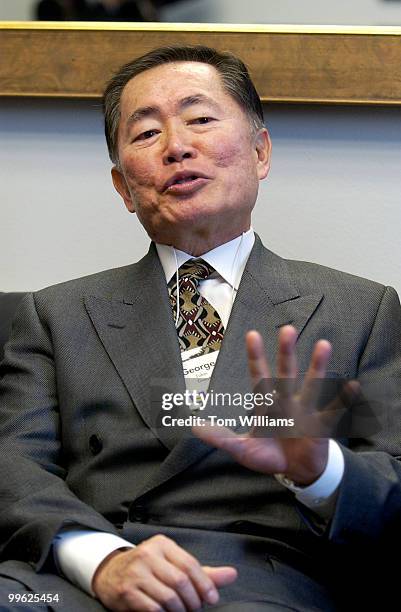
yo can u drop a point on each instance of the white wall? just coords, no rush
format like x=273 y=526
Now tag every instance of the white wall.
x=365 y=12
x=60 y=217
x=16 y=10
x=333 y=195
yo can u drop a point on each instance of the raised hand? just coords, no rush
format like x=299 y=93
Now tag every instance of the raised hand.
x=303 y=458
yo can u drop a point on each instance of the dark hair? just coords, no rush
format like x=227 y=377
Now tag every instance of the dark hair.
x=234 y=75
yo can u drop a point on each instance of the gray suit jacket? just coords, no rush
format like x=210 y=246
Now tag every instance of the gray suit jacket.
x=78 y=418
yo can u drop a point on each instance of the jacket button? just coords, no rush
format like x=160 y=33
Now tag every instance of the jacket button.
x=138 y=513
x=95 y=444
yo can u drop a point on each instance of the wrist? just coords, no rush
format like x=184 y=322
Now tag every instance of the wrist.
x=306 y=472
x=103 y=564
x=289 y=483
x=325 y=485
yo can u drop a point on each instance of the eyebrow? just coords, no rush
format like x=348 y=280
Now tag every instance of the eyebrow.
x=151 y=111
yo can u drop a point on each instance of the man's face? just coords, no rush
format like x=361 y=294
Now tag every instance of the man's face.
x=190 y=163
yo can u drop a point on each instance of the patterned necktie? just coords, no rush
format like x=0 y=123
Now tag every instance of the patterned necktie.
x=199 y=324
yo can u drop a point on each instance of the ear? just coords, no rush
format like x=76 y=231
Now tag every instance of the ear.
x=263 y=147
x=121 y=186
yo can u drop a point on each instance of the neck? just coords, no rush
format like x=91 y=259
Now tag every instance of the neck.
x=198 y=244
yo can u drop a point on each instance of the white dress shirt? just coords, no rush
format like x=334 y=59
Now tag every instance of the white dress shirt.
x=78 y=553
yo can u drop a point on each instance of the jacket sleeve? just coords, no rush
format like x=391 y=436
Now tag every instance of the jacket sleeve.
x=35 y=501
x=368 y=508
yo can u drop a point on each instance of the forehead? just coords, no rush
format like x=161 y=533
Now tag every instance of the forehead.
x=165 y=84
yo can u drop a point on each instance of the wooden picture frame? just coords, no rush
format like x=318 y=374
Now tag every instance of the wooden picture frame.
x=292 y=64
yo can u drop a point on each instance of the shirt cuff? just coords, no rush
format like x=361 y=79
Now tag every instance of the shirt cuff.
x=320 y=494
x=78 y=553
x=322 y=490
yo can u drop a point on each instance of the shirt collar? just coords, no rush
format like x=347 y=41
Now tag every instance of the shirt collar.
x=228 y=259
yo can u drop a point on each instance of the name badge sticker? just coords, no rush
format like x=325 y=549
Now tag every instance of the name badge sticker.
x=198 y=366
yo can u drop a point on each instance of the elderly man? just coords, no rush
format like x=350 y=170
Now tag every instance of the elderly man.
x=106 y=502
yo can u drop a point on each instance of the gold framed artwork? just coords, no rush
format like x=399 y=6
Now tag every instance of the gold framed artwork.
x=291 y=64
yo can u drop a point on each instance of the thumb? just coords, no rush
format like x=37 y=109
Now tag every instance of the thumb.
x=222 y=575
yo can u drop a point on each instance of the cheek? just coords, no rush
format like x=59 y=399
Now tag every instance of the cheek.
x=226 y=154
x=139 y=173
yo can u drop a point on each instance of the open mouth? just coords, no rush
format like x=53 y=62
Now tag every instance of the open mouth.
x=184 y=183
x=188 y=179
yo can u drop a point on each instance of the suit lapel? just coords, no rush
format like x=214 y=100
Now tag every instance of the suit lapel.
x=267 y=299
x=137 y=330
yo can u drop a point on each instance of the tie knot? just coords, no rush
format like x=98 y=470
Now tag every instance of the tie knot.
x=195 y=270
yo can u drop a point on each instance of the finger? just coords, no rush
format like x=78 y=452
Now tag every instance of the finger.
x=320 y=358
x=198 y=586
x=257 y=362
x=166 y=597
x=221 y=576
x=137 y=602
x=287 y=367
x=287 y=361
x=179 y=583
x=316 y=372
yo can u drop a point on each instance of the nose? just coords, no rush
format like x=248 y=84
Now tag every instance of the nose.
x=178 y=146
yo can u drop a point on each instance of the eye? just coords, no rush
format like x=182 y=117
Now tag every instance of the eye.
x=202 y=120
x=146 y=135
